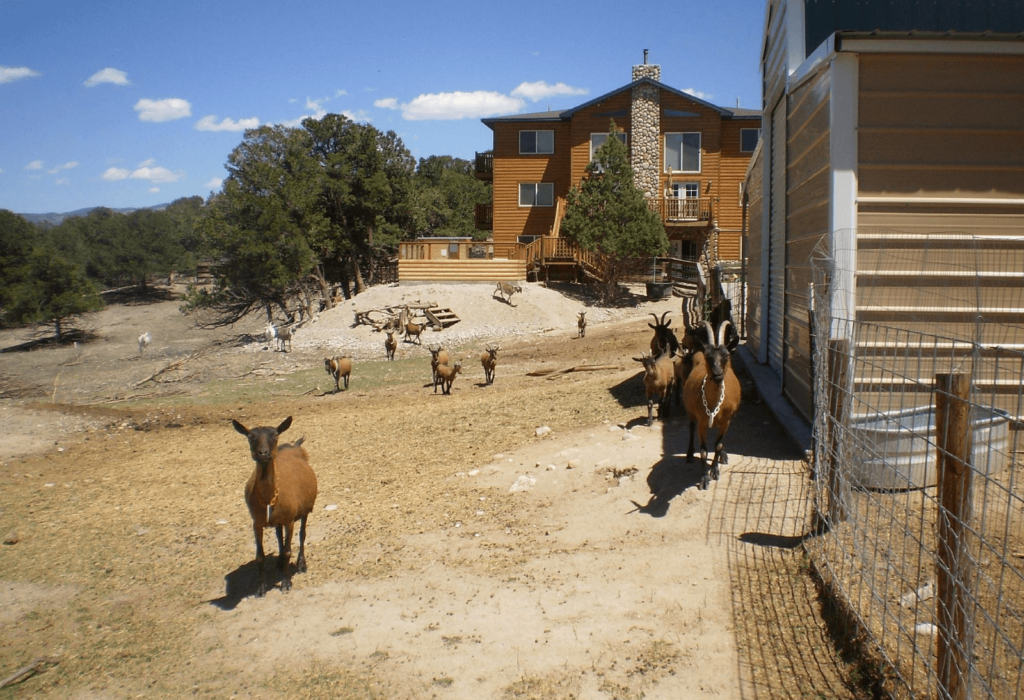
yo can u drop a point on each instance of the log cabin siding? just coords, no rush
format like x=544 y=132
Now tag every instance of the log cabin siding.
x=755 y=202
x=512 y=168
x=732 y=172
x=596 y=119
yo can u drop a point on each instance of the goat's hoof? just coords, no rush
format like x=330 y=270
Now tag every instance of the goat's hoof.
x=286 y=585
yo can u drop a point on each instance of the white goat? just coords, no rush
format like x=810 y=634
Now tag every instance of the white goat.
x=144 y=340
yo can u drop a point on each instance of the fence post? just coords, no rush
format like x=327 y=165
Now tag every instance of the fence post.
x=955 y=643
x=838 y=372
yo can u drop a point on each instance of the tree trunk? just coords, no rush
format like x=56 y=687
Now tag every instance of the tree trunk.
x=360 y=284
x=57 y=329
x=270 y=313
x=325 y=288
x=345 y=280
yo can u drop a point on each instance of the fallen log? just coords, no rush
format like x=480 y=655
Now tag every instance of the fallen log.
x=24 y=672
x=552 y=373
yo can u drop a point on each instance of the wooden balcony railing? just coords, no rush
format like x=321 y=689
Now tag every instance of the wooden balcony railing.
x=682 y=209
x=484 y=217
x=550 y=249
x=485 y=164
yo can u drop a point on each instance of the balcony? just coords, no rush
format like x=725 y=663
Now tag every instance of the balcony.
x=683 y=211
x=485 y=165
x=484 y=217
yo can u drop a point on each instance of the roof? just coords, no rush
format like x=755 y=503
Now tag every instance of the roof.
x=567 y=114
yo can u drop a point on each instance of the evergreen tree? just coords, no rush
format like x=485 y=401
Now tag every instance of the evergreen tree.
x=608 y=214
x=50 y=290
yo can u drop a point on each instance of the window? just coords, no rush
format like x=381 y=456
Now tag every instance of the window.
x=597 y=140
x=536 y=194
x=749 y=139
x=682 y=152
x=686 y=190
x=536 y=141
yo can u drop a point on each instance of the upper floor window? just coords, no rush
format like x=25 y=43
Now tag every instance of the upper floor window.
x=682 y=152
x=536 y=141
x=597 y=140
x=536 y=194
x=749 y=139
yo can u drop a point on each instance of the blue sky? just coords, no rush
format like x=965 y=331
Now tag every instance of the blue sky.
x=131 y=104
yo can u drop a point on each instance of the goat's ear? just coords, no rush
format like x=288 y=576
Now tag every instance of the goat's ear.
x=285 y=424
x=240 y=428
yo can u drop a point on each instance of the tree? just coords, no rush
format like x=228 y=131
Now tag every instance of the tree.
x=445 y=195
x=258 y=230
x=608 y=214
x=50 y=290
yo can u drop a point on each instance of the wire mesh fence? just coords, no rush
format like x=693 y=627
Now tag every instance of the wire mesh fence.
x=918 y=367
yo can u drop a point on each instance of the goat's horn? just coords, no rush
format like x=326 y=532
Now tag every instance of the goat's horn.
x=721 y=332
x=711 y=331
x=663 y=318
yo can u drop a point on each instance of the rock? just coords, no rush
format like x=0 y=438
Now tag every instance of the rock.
x=543 y=430
x=523 y=483
x=574 y=464
x=12 y=538
x=332 y=506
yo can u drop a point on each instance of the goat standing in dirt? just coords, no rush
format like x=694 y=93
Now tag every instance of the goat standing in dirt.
x=712 y=396
x=281 y=490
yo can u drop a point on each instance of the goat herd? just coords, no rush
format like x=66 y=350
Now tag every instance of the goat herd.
x=696 y=371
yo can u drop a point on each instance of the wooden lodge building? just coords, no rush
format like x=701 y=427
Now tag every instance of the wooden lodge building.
x=689 y=157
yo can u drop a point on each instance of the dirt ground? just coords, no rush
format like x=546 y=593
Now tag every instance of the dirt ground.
x=528 y=539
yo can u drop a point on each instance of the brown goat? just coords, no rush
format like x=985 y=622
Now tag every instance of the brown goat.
x=413 y=330
x=284 y=337
x=712 y=396
x=445 y=377
x=507 y=289
x=581 y=323
x=338 y=367
x=489 y=360
x=281 y=491
x=438 y=356
x=390 y=345
x=659 y=377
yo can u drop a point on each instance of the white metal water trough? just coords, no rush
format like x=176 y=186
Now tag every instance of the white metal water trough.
x=897 y=450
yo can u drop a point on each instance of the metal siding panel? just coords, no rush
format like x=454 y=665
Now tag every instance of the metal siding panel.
x=777 y=240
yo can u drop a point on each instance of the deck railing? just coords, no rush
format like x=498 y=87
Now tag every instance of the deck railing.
x=484 y=217
x=682 y=209
x=485 y=163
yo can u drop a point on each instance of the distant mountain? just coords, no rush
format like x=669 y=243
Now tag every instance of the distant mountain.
x=56 y=219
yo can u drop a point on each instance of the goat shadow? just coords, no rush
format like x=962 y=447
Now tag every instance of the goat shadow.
x=501 y=298
x=244 y=581
x=672 y=474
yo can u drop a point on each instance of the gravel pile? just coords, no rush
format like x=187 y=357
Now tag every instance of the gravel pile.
x=484 y=316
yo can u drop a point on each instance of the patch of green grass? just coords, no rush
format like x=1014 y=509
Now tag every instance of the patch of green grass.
x=342 y=631
x=443 y=681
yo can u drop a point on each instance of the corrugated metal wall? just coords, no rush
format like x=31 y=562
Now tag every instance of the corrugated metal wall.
x=777 y=239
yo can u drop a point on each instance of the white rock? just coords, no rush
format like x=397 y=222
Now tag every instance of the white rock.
x=613 y=428
x=543 y=430
x=630 y=436
x=473 y=472
x=925 y=592
x=925 y=628
x=552 y=467
x=333 y=506
x=523 y=483
x=574 y=464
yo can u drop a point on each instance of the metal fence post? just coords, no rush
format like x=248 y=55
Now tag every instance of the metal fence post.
x=955 y=641
x=838 y=372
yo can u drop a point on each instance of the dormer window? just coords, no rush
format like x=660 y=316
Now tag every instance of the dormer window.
x=532 y=142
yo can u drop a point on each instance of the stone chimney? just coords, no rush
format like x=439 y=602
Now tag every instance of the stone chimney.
x=645 y=117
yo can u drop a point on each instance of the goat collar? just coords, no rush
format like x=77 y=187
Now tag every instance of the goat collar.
x=704 y=400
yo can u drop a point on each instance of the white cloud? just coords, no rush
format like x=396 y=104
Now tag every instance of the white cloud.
x=386 y=103
x=67 y=166
x=210 y=123
x=108 y=75
x=215 y=183
x=698 y=94
x=163 y=110
x=357 y=116
x=115 y=174
x=320 y=114
x=154 y=190
x=35 y=165
x=541 y=90
x=316 y=105
x=157 y=174
x=460 y=105
x=341 y=93
x=146 y=163
x=8 y=74
x=62 y=181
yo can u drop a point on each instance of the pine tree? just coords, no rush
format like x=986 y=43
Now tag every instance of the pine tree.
x=608 y=214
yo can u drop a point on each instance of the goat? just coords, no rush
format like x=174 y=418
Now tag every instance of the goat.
x=270 y=333
x=659 y=376
x=721 y=313
x=338 y=367
x=390 y=345
x=144 y=340
x=489 y=359
x=284 y=337
x=664 y=339
x=712 y=393
x=507 y=289
x=281 y=490
x=445 y=377
x=438 y=356
x=413 y=330
x=581 y=323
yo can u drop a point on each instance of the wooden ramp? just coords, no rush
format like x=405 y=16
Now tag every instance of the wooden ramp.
x=441 y=318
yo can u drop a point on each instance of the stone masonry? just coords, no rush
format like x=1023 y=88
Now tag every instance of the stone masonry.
x=645 y=116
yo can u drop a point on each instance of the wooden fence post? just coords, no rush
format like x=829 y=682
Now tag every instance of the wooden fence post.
x=838 y=372
x=955 y=643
